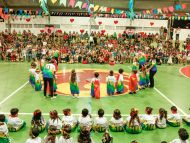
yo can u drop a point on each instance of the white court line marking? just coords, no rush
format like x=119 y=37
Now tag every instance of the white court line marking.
x=171 y=102
x=182 y=73
x=94 y=115
x=13 y=93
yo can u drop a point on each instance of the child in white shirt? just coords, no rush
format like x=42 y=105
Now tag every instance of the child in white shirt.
x=183 y=136
x=148 y=119
x=174 y=119
x=34 y=136
x=85 y=120
x=100 y=122
x=55 y=121
x=68 y=119
x=14 y=122
x=161 y=119
x=116 y=122
x=3 y=129
x=65 y=138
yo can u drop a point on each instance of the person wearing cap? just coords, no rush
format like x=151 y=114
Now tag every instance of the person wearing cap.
x=48 y=77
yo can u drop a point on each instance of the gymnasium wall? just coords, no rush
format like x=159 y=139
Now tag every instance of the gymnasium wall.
x=107 y=24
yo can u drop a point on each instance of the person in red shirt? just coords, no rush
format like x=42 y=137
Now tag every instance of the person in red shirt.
x=133 y=82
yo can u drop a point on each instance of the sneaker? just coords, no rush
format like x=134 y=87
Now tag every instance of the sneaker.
x=54 y=97
x=77 y=97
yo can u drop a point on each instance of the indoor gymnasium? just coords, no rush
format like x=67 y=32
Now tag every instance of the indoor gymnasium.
x=94 y=71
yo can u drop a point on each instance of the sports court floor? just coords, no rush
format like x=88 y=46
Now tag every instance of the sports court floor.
x=171 y=88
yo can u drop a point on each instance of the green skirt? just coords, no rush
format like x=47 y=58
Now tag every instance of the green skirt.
x=114 y=128
x=134 y=129
x=148 y=127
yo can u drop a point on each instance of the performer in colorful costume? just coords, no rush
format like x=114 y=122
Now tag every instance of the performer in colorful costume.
x=95 y=86
x=133 y=81
x=119 y=82
x=74 y=88
x=38 y=83
x=111 y=83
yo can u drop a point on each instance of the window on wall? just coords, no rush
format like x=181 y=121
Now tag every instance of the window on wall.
x=109 y=27
x=20 y=25
x=120 y=27
x=95 y=27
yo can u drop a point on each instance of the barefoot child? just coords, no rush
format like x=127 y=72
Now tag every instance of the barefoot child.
x=74 y=88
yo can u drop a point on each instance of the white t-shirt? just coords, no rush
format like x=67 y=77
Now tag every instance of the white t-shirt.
x=179 y=141
x=111 y=79
x=32 y=71
x=69 y=120
x=149 y=119
x=119 y=122
x=121 y=78
x=62 y=140
x=101 y=121
x=136 y=123
x=161 y=123
x=15 y=122
x=37 y=76
x=35 y=140
x=85 y=121
x=174 y=117
x=4 y=129
x=51 y=67
x=56 y=122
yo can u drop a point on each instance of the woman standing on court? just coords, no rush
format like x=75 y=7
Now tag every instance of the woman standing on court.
x=152 y=70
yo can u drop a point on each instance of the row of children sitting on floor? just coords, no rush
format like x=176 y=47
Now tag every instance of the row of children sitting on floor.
x=100 y=123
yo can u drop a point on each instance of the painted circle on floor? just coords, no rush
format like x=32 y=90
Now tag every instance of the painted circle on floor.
x=185 y=71
x=85 y=76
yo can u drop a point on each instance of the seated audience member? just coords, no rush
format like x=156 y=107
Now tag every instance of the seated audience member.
x=187 y=120
x=161 y=119
x=52 y=135
x=14 y=122
x=38 y=121
x=100 y=122
x=84 y=136
x=4 y=136
x=65 y=138
x=68 y=119
x=34 y=133
x=183 y=136
x=148 y=120
x=107 y=138
x=116 y=122
x=174 y=119
x=85 y=120
x=133 y=124
x=54 y=121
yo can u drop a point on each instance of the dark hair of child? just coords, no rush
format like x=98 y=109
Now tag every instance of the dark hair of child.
x=66 y=112
x=96 y=75
x=84 y=112
x=121 y=71
x=14 y=111
x=163 y=113
x=100 y=112
x=107 y=138
x=111 y=73
x=73 y=76
x=2 y=118
x=117 y=114
x=37 y=114
x=34 y=133
x=84 y=136
x=174 y=109
x=149 y=110
x=54 y=115
x=164 y=142
x=183 y=134
x=66 y=130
